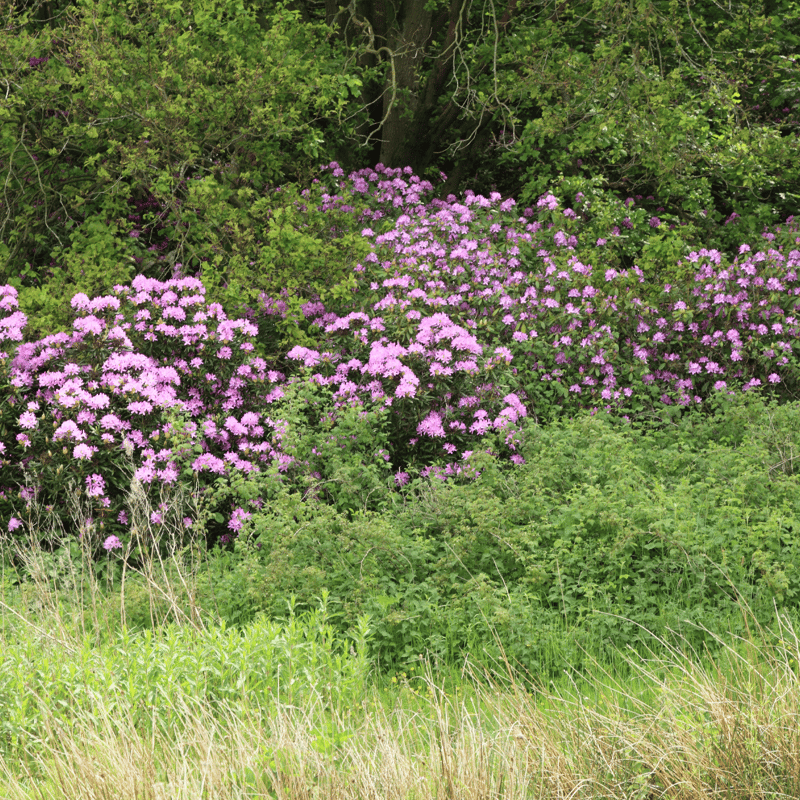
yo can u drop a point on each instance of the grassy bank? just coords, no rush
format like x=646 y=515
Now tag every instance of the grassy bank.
x=294 y=711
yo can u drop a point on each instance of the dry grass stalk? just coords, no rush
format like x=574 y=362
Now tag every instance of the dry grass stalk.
x=726 y=729
x=680 y=726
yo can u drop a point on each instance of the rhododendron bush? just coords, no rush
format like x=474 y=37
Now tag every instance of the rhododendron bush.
x=470 y=319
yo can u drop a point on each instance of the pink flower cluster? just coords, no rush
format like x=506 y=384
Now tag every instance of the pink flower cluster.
x=476 y=268
x=149 y=368
x=467 y=318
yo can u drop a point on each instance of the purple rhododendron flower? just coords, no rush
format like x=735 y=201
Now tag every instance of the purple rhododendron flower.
x=69 y=429
x=238 y=518
x=431 y=425
x=95 y=485
x=83 y=451
x=112 y=543
x=28 y=420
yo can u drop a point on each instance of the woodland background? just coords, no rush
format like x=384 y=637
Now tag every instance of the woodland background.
x=140 y=135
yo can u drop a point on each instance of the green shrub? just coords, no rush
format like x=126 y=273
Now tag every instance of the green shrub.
x=608 y=533
x=138 y=136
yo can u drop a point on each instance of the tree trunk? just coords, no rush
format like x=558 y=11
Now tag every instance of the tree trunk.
x=407 y=40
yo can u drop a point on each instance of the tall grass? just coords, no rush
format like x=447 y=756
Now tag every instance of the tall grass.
x=191 y=709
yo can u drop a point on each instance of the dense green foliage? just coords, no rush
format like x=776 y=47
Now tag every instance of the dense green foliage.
x=695 y=104
x=137 y=136
x=610 y=533
x=606 y=533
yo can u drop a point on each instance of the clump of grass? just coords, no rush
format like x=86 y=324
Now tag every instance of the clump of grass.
x=289 y=711
x=152 y=582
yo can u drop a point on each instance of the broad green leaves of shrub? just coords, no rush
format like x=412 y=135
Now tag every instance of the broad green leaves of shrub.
x=279 y=252
x=696 y=106
x=667 y=527
x=122 y=104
